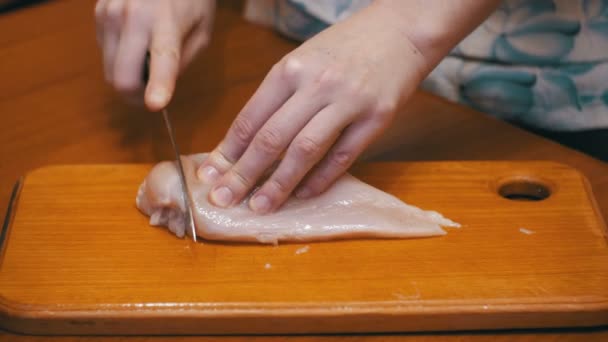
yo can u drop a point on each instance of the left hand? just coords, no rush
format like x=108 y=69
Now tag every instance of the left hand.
x=321 y=106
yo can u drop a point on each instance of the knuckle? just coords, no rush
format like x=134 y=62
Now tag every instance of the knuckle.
x=359 y=89
x=125 y=84
x=114 y=11
x=306 y=148
x=290 y=68
x=317 y=182
x=165 y=47
x=279 y=185
x=341 y=158
x=383 y=110
x=136 y=12
x=135 y=8
x=225 y=157
x=219 y=159
x=204 y=40
x=99 y=10
x=268 y=140
x=240 y=177
x=330 y=78
x=242 y=130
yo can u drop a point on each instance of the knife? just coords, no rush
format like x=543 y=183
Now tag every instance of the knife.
x=189 y=219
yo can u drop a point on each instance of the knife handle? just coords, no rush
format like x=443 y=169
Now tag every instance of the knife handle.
x=146 y=69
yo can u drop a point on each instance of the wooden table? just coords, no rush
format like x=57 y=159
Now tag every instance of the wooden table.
x=57 y=109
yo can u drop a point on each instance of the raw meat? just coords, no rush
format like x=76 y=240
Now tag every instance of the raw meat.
x=349 y=209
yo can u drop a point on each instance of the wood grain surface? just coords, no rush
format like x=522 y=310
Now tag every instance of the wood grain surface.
x=57 y=109
x=79 y=258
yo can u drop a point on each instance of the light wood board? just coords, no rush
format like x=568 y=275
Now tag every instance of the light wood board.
x=79 y=258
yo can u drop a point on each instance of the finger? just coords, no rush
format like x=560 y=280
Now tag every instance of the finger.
x=196 y=41
x=100 y=11
x=265 y=148
x=340 y=157
x=306 y=150
x=128 y=67
x=111 y=15
x=135 y=99
x=268 y=98
x=199 y=36
x=165 y=56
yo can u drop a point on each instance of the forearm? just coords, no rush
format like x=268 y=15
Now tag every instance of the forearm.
x=435 y=27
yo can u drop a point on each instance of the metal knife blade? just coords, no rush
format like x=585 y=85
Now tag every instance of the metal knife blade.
x=185 y=191
x=182 y=175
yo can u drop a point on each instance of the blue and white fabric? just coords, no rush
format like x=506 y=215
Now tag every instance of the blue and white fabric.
x=543 y=63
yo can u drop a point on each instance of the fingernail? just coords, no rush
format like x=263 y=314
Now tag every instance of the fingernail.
x=303 y=193
x=159 y=96
x=208 y=174
x=222 y=196
x=260 y=204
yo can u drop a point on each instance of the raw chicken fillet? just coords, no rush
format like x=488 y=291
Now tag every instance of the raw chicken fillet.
x=349 y=209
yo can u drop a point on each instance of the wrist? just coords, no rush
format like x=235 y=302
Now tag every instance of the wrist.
x=434 y=27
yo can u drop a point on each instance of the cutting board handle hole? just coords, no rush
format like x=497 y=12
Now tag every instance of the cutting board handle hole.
x=524 y=190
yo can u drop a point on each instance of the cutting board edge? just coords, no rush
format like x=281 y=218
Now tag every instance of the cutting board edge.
x=594 y=205
x=159 y=322
x=11 y=209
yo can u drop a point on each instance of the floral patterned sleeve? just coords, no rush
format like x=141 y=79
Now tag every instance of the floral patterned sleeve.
x=539 y=62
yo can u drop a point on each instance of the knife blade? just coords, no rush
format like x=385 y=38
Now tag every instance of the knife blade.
x=185 y=191
x=189 y=219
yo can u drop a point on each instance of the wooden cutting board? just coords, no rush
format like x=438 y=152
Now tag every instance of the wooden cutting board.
x=79 y=258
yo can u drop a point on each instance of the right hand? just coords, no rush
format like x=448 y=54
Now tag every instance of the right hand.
x=172 y=31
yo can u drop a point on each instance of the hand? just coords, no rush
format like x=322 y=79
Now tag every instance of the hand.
x=320 y=106
x=173 y=31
